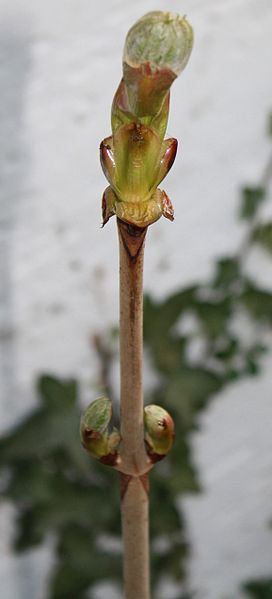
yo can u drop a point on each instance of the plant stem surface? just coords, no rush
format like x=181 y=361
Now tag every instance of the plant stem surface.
x=134 y=461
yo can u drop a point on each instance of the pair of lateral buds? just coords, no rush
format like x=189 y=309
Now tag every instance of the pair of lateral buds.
x=103 y=443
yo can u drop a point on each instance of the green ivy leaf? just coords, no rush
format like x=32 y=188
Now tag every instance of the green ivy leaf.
x=252 y=359
x=213 y=316
x=168 y=353
x=160 y=317
x=57 y=394
x=228 y=348
x=53 y=425
x=172 y=560
x=166 y=521
x=258 y=302
x=259 y=589
x=262 y=235
x=252 y=197
x=64 y=503
x=227 y=272
x=166 y=345
x=30 y=482
x=80 y=565
x=183 y=477
x=189 y=390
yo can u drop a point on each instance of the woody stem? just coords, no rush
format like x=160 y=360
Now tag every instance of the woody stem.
x=133 y=457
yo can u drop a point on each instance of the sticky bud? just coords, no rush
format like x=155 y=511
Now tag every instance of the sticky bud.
x=156 y=51
x=162 y=39
x=136 y=158
x=94 y=433
x=135 y=161
x=160 y=434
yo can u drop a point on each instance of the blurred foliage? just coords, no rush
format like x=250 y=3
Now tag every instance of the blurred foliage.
x=259 y=589
x=262 y=234
x=196 y=349
x=252 y=197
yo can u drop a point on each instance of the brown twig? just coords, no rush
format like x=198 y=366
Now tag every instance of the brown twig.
x=134 y=462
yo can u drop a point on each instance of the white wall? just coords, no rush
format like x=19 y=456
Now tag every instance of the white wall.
x=60 y=65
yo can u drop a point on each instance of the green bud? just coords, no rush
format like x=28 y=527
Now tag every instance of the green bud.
x=136 y=158
x=157 y=49
x=159 y=431
x=154 y=108
x=135 y=161
x=94 y=433
x=161 y=39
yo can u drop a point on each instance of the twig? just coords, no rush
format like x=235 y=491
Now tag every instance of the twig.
x=135 y=159
x=133 y=457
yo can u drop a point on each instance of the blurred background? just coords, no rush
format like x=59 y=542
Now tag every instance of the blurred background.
x=208 y=306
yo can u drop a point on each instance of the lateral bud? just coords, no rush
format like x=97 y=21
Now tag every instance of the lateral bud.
x=159 y=436
x=95 y=436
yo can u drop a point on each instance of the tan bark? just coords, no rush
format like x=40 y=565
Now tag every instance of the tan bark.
x=134 y=462
x=135 y=526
